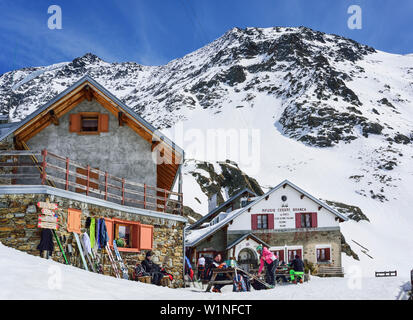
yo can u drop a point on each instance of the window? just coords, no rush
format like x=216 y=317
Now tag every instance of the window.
x=279 y=254
x=262 y=221
x=123 y=235
x=90 y=123
x=292 y=253
x=323 y=254
x=130 y=236
x=306 y=220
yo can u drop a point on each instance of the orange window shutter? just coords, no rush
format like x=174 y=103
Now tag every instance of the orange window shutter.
x=146 y=237
x=74 y=220
x=104 y=122
x=135 y=236
x=74 y=123
x=110 y=226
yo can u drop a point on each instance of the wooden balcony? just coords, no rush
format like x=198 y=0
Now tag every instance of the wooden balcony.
x=42 y=167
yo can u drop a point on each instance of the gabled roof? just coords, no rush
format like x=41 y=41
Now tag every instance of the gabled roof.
x=88 y=88
x=88 y=80
x=234 y=214
x=250 y=235
x=217 y=209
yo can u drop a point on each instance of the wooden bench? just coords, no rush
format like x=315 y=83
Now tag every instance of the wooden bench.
x=330 y=271
x=144 y=279
x=165 y=281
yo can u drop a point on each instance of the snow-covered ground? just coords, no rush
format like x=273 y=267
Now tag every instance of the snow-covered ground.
x=23 y=276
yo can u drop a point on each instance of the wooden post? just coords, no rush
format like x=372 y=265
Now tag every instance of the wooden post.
x=180 y=197
x=67 y=174
x=123 y=190
x=44 y=164
x=87 y=181
x=144 y=195
x=106 y=185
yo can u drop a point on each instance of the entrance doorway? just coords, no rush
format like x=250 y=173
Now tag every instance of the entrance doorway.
x=247 y=260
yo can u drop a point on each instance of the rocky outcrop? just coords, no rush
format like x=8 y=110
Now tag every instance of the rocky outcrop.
x=352 y=212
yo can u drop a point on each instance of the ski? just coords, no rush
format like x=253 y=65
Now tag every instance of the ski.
x=60 y=246
x=88 y=256
x=253 y=277
x=120 y=261
x=112 y=261
x=96 y=260
x=80 y=250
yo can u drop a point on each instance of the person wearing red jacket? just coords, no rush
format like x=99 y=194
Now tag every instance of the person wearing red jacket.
x=270 y=261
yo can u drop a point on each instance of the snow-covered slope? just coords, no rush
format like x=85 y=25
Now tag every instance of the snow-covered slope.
x=23 y=276
x=333 y=116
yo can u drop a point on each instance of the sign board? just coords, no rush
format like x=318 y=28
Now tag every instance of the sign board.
x=284 y=220
x=47 y=205
x=284 y=217
x=47 y=225
x=51 y=219
x=48 y=219
x=48 y=212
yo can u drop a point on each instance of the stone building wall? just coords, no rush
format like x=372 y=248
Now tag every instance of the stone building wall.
x=18 y=229
x=308 y=239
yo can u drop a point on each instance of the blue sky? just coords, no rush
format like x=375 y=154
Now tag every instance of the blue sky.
x=153 y=32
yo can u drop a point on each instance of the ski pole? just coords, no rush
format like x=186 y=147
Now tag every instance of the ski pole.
x=60 y=246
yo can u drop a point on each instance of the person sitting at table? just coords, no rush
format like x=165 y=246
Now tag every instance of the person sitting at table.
x=297 y=269
x=216 y=263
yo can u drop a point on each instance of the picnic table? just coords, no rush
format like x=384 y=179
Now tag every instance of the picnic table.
x=230 y=274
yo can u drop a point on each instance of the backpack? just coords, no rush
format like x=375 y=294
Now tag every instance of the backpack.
x=165 y=273
x=240 y=284
x=208 y=268
x=140 y=271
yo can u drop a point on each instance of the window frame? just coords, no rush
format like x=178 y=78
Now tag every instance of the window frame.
x=262 y=223
x=323 y=247
x=306 y=217
x=134 y=233
x=94 y=115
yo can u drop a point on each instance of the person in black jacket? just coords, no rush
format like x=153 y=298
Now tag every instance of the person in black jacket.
x=297 y=269
x=152 y=268
x=215 y=263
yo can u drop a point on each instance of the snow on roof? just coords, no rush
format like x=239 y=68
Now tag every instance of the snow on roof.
x=215 y=210
x=194 y=236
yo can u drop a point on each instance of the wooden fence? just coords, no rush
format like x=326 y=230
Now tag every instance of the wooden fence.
x=35 y=167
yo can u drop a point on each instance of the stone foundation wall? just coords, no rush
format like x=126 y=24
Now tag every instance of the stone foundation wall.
x=308 y=240
x=18 y=229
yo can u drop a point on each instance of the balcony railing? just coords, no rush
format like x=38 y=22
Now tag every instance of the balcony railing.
x=43 y=167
